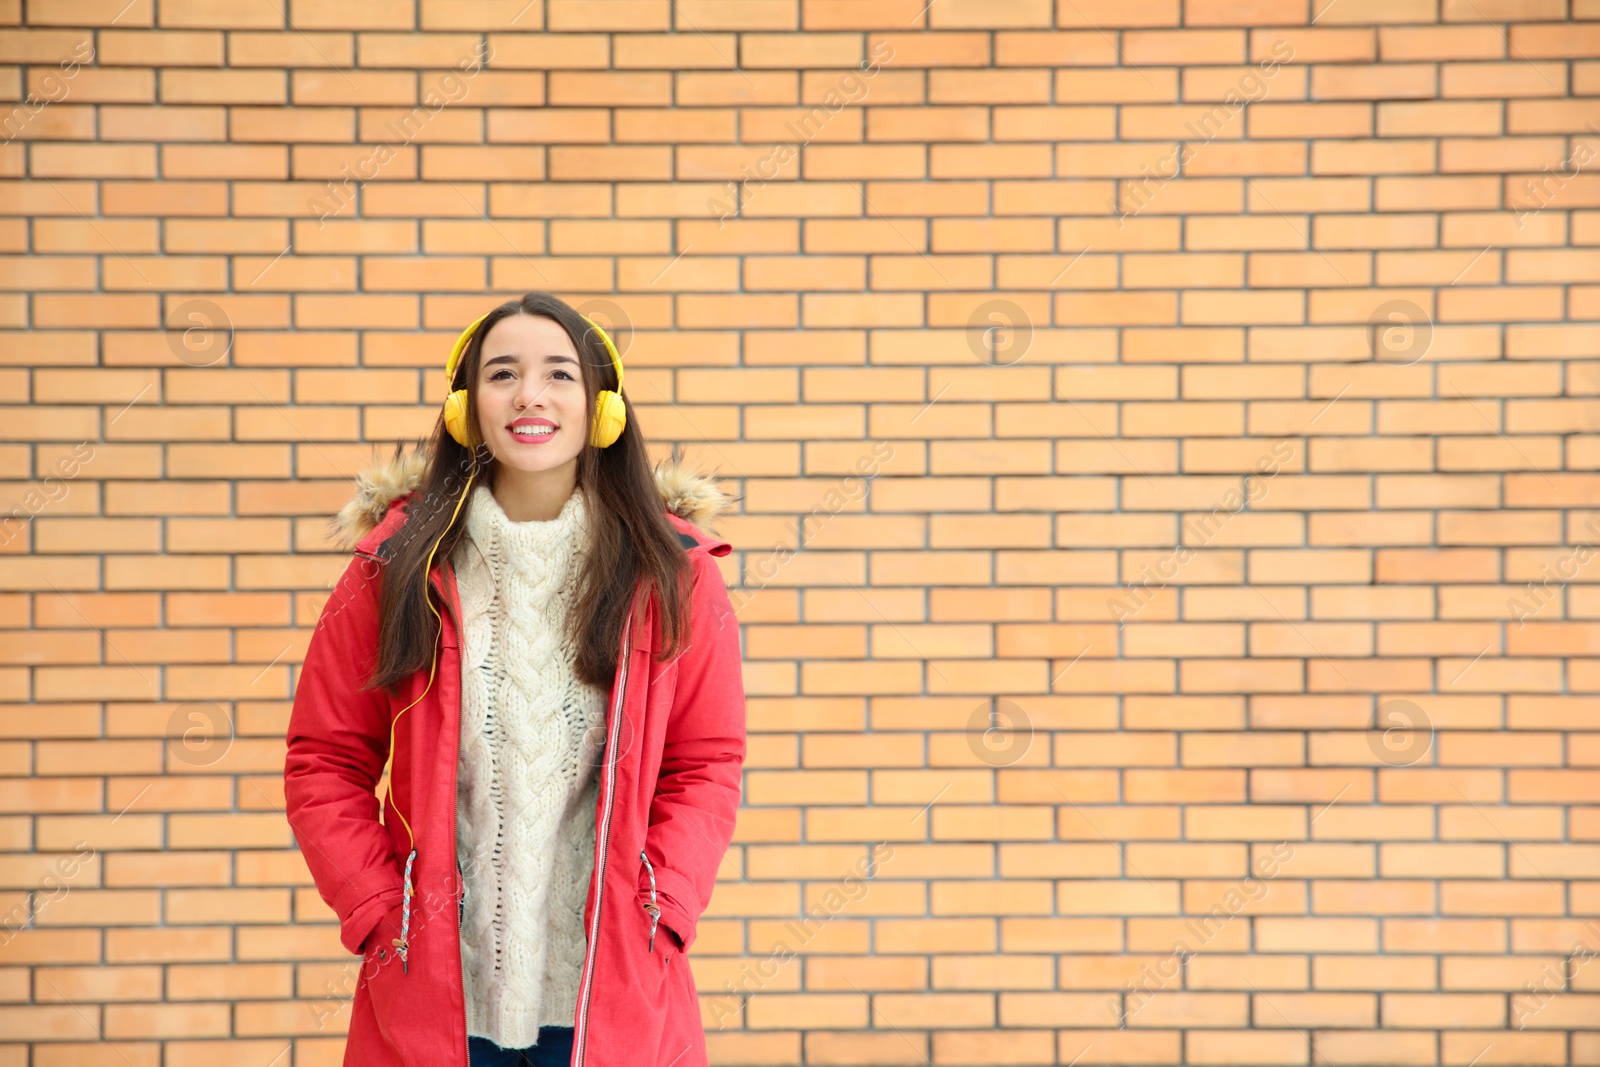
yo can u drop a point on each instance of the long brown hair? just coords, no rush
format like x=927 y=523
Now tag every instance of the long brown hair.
x=630 y=535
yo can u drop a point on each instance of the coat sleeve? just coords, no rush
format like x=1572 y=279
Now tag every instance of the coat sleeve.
x=698 y=788
x=338 y=742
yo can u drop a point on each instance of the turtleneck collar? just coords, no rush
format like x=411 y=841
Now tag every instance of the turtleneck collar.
x=488 y=525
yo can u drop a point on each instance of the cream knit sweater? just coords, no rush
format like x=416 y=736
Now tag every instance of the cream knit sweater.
x=531 y=741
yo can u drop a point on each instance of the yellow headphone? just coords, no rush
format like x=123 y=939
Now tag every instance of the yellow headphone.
x=610 y=413
x=610 y=416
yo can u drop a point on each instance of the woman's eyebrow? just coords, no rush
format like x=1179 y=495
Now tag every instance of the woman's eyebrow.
x=512 y=357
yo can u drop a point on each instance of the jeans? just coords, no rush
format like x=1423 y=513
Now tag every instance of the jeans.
x=553 y=1050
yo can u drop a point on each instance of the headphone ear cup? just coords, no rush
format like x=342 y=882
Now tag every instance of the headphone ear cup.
x=610 y=416
x=455 y=417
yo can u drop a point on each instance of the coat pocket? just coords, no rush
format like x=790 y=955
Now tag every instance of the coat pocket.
x=661 y=940
x=380 y=970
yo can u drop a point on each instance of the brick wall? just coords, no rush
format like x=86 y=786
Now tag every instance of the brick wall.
x=1169 y=440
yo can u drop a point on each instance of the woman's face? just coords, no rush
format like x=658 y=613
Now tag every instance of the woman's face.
x=529 y=378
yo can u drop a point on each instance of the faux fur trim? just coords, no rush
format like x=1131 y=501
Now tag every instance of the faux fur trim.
x=692 y=495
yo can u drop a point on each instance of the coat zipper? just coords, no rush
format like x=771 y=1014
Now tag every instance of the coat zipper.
x=455 y=803
x=580 y=1038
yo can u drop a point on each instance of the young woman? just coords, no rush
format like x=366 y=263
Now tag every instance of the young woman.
x=534 y=632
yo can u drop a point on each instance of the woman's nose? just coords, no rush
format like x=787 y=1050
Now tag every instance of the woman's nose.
x=530 y=395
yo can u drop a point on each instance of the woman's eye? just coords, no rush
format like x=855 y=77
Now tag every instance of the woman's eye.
x=496 y=375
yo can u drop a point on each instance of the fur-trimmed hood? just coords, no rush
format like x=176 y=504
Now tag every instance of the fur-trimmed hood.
x=692 y=495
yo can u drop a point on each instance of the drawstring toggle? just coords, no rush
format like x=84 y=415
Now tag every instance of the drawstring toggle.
x=402 y=943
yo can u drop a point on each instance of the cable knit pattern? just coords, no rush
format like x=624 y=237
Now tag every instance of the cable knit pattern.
x=531 y=740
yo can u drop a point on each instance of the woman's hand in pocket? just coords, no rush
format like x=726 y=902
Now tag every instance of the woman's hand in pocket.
x=380 y=942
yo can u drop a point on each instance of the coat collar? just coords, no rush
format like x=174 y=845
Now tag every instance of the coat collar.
x=693 y=500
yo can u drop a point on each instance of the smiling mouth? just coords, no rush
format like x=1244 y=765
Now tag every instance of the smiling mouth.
x=533 y=431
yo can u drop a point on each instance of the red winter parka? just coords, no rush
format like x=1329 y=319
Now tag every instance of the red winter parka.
x=668 y=793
